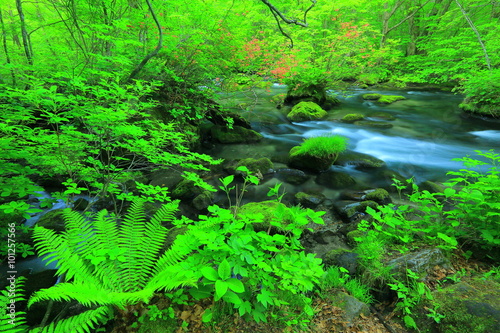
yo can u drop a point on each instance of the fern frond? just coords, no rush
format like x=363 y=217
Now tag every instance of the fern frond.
x=7 y=323
x=81 y=323
x=78 y=231
x=152 y=242
x=106 y=238
x=54 y=247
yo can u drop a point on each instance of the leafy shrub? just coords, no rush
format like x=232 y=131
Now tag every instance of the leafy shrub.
x=323 y=146
x=482 y=93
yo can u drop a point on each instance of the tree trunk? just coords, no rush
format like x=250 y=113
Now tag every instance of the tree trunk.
x=24 y=33
x=4 y=42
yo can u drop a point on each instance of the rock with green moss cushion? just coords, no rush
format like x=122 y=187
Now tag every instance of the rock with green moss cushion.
x=335 y=180
x=382 y=115
x=203 y=200
x=471 y=305
x=186 y=190
x=352 y=117
x=262 y=165
x=53 y=219
x=306 y=161
x=306 y=111
x=265 y=212
x=351 y=307
x=371 y=97
x=350 y=157
x=388 y=99
x=309 y=92
x=378 y=195
x=237 y=134
x=352 y=210
x=309 y=200
x=374 y=124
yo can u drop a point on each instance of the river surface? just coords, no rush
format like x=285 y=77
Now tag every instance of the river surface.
x=428 y=132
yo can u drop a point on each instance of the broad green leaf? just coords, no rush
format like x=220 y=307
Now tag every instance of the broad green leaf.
x=209 y=273
x=236 y=285
x=224 y=270
x=221 y=288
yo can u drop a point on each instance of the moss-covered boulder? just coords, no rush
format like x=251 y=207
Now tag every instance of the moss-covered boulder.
x=306 y=92
x=352 y=117
x=306 y=111
x=267 y=214
x=256 y=166
x=388 y=99
x=237 y=134
x=352 y=210
x=186 y=190
x=53 y=220
x=203 y=200
x=335 y=180
x=384 y=99
x=470 y=306
x=371 y=97
x=378 y=195
x=292 y=176
x=374 y=124
x=350 y=157
x=309 y=200
x=317 y=153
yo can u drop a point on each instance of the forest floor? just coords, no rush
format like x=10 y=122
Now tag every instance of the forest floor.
x=328 y=317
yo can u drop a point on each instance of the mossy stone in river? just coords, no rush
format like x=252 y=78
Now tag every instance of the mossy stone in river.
x=352 y=117
x=53 y=219
x=306 y=161
x=266 y=211
x=374 y=124
x=237 y=134
x=309 y=200
x=306 y=111
x=335 y=180
x=388 y=99
x=359 y=159
x=378 y=195
x=371 y=97
x=256 y=166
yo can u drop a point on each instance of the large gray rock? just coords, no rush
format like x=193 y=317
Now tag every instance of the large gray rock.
x=420 y=262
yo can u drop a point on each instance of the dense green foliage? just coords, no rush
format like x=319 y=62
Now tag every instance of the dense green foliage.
x=95 y=96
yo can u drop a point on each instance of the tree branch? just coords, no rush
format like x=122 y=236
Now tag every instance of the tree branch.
x=155 y=51
x=279 y=15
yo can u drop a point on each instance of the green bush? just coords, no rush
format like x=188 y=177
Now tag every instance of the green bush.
x=322 y=146
x=482 y=93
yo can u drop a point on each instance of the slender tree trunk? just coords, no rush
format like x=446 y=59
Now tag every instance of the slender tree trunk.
x=478 y=35
x=155 y=51
x=24 y=33
x=5 y=48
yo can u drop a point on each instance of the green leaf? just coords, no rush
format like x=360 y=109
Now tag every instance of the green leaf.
x=207 y=316
x=448 y=192
x=232 y=298
x=221 y=288
x=236 y=285
x=209 y=273
x=224 y=270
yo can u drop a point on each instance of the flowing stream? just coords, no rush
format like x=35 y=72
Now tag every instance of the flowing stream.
x=428 y=132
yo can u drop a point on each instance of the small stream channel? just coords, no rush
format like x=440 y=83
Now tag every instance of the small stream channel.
x=428 y=132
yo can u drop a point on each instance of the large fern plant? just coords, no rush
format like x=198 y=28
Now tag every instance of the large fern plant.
x=112 y=263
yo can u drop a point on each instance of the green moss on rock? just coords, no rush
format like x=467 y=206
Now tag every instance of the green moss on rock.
x=371 y=96
x=237 y=134
x=261 y=165
x=359 y=159
x=306 y=111
x=379 y=195
x=388 y=99
x=352 y=117
x=382 y=115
